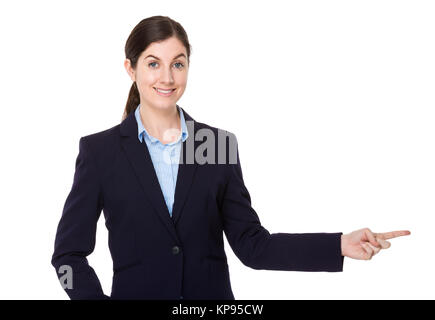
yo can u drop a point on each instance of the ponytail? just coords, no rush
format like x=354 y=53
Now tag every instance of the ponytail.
x=132 y=101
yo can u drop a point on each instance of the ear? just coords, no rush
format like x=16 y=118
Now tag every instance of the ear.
x=130 y=70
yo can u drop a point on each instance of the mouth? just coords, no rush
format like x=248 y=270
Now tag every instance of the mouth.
x=164 y=92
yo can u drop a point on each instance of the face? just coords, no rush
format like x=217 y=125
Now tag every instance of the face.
x=163 y=65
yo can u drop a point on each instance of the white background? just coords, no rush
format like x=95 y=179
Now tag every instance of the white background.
x=340 y=93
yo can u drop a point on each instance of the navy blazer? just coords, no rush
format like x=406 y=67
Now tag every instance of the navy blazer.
x=156 y=256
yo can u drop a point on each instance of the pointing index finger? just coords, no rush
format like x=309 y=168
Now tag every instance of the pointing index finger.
x=394 y=234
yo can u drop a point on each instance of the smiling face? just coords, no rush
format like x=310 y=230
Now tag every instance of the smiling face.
x=163 y=65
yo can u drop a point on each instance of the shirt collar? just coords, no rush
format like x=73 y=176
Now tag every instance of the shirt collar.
x=143 y=132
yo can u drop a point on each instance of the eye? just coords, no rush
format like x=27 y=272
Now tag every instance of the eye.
x=149 y=64
x=181 y=65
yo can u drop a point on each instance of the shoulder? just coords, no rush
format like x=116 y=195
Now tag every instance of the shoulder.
x=102 y=140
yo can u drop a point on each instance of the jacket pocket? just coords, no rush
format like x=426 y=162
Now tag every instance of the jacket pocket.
x=213 y=258
x=124 y=267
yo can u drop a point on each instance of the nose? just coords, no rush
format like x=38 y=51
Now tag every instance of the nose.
x=166 y=76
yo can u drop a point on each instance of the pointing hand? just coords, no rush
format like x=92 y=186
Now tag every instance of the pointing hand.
x=363 y=244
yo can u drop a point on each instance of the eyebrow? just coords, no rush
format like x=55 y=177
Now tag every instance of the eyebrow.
x=157 y=58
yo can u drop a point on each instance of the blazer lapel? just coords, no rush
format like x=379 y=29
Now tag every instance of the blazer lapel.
x=140 y=159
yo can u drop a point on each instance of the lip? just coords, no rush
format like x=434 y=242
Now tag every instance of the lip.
x=164 y=94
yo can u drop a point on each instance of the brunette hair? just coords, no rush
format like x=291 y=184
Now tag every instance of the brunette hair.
x=149 y=30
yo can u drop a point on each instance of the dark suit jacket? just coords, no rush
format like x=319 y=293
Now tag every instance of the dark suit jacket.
x=159 y=257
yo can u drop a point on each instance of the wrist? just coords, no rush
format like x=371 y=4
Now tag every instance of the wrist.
x=343 y=244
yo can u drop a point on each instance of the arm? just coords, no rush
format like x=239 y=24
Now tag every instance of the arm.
x=75 y=237
x=258 y=249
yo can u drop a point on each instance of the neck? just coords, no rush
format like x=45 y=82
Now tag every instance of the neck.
x=158 y=121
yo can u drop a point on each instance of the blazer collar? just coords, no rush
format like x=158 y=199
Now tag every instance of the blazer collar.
x=128 y=126
x=141 y=162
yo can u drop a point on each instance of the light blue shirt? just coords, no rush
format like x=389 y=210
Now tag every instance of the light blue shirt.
x=165 y=157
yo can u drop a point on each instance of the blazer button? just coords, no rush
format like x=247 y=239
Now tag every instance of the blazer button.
x=175 y=250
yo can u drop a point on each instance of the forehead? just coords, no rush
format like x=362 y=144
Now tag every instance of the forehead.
x=167 y=49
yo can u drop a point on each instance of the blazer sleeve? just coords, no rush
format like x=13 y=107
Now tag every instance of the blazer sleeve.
x=76 y=231
x=258 y=249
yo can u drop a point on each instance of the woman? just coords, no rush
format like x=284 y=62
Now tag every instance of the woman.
x=168 y=195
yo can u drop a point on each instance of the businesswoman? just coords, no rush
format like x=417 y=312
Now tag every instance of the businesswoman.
x=169 y=187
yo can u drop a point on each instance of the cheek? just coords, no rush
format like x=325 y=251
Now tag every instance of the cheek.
x=147 y=79
x=181 y=80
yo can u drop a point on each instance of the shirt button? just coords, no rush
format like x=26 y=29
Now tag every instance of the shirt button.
x=175 y=250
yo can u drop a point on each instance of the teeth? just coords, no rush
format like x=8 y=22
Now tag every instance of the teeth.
x=163 y=91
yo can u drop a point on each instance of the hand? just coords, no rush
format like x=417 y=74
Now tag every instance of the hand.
x=363 y=244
